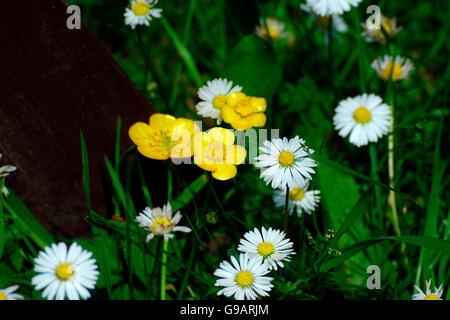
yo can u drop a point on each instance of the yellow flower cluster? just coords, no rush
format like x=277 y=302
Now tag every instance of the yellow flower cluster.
x=243 y=112
x=168 y=137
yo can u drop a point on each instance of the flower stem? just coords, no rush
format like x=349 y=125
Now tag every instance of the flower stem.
x=166 y=241
x=164 y=269
x=286 y=203
x=391 y=198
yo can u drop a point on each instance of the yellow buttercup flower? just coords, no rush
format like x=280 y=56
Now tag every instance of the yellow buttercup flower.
x=244 y=112
x=215 y=151
x=164 y=137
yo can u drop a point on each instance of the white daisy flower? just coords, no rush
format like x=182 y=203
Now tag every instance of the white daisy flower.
x=244 y=279
x=329 y=7
x=285 y=162
x=383 y=67
x=6 y=170
x=214 y=95
x=299 y=199
x=269 y=246
x=274 y=27
x=160 y=222
x=376 y=34
x=65 y=273
x=9 y=293
x=436 y=295
x=366 y=118
x=323 y=21
x=141 y=13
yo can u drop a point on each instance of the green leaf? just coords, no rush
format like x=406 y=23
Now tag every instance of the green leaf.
x=252 y=66
x=106 y=254
x=432 y=215
x=340 y=194
x=85 y=172
x=424 y=242
x=183 y=52
x=2 y=218
x=143 y=261
x=188 y=193
x=29 y=223
x=116 y=182
x=343 y=169
x=357 y=211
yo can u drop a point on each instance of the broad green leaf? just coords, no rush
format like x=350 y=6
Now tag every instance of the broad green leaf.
x=252 y=66
x=357 y=211
x=107 y=258
x=340 y=193
x=188 y=193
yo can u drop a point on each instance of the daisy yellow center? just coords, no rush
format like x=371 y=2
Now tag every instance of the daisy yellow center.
x=219 y=101
x=140 y=8
x=273 y=33
x=244 y=279
x=286 y=158
x=64 y=271
x=397 y=73
x=431 y=297
x=362 y=115
x=161 y=222
x=296 y=194
x=266 y=249
x=2 y=296
x=387 y=27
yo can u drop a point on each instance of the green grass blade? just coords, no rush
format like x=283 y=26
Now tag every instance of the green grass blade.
x=432 y=213
x=183 y=52
x=424 y=242
x=2 y=218
x=85 y=173
x=100 y=242
x=21 y=213
x=188 y=193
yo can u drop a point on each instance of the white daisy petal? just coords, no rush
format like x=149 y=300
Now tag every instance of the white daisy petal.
x=267 y=246
x=207 y=93
x=65 y=273
x=159 y=222
x=330 y=7
x=363 y=118
x=285 y=162
x=141 y=12
x=386 y=66
x=428 y=295
x=246 y=282
x=9 y=293
x=275 y=28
